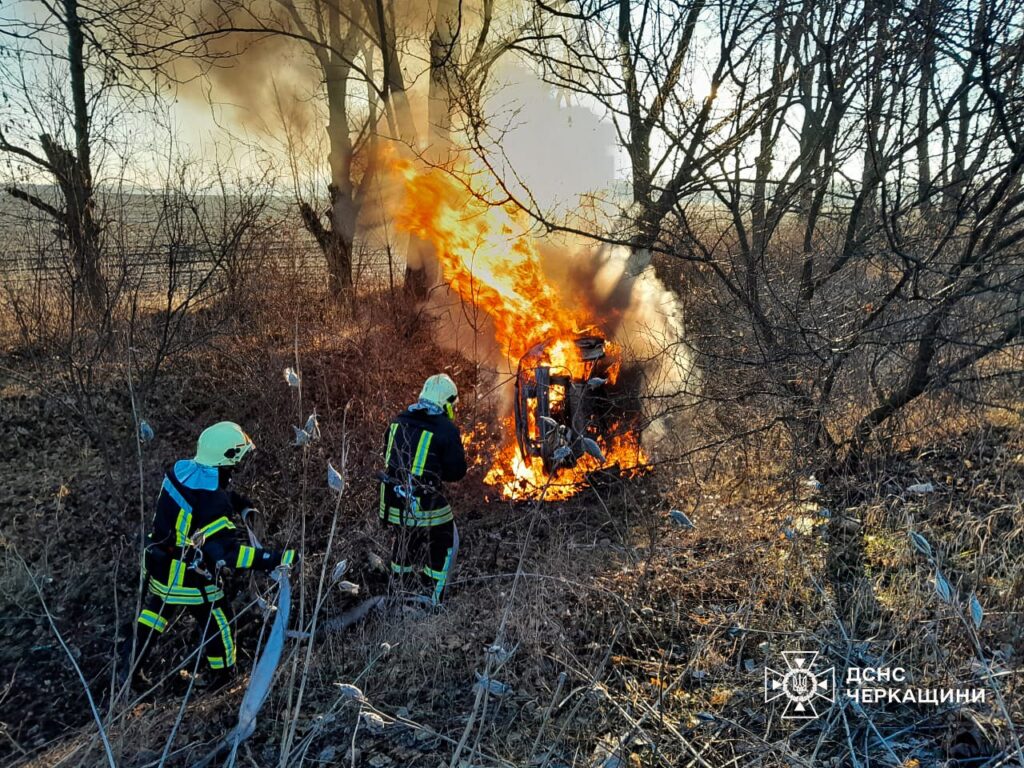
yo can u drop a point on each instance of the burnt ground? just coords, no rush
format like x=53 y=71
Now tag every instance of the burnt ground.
x=628 y=633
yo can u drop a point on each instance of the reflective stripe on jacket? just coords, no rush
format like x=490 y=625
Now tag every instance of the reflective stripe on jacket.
x=196 y=523
x=422 y=450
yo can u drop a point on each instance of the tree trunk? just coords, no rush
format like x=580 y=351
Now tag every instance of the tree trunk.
x=72 y=169
x=927 y=64
x=338 y=240
x=339 y=259
x=394 y=82
x=421 y=270
x=336 y=244
x=78 y=223
x=871 y=176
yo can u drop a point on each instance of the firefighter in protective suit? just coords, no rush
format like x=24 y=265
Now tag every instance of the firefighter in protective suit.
x=198 y=531
x=423 y=450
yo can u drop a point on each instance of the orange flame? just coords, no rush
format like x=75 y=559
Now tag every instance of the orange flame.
x=517 y=477
x=488 y=258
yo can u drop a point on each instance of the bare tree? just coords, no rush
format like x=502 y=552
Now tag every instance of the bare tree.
x=339 y=39
x=357 y=49
x=50 y=95
x=786 y=162
x=335 y=53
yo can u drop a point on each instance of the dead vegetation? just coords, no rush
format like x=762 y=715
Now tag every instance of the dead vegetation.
x=622 y=637
x=828 y=194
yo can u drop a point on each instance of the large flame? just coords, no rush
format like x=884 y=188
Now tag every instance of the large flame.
x=489 y=259
x=516 y=477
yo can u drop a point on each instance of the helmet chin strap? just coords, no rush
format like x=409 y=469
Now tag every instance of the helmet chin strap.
x=224 y=475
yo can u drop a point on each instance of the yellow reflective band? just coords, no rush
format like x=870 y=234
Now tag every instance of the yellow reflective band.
x=177 y=573
x=218 y=525
x=383 y=505
x=162 y=589
x=181 y=527
x=288 y=557
x=396 y=568
x=420 y=518
x=215 y=662
x=246 y=555
x=150 y=619
x=185 y=595
x=178 y=599
x=391 y=442
x=225 y=636
x=419 y=463
x=440 y=577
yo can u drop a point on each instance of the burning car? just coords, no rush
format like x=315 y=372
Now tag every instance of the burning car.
x=570 y=416
x=563 y=404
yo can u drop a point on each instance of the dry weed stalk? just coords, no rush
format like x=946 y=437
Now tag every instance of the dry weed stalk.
x=71 y=657
x=320 y=596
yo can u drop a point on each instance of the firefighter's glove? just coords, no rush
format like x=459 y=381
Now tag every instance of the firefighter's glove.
x=289 y=559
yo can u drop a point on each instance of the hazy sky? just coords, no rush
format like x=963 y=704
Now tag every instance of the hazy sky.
x=557 y=146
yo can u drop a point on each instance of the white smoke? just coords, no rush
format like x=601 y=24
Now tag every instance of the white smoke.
x=652 y=335
x=628 y=304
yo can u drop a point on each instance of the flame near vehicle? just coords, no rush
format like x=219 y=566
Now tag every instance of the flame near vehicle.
x=562 y=430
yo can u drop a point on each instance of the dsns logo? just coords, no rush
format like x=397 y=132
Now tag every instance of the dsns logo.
x=802 y=685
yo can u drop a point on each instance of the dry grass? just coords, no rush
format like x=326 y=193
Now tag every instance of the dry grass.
x=630 y=635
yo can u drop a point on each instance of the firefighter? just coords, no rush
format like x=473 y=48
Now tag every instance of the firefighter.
x=423 y=449
x=197 y=532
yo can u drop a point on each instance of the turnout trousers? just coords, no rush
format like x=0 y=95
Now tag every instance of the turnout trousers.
x=428 y=550
x=213 y=625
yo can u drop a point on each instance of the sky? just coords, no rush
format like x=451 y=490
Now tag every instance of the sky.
x=558 y=147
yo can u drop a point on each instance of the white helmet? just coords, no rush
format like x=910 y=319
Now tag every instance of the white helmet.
x=440 y=390
x=223 y=445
